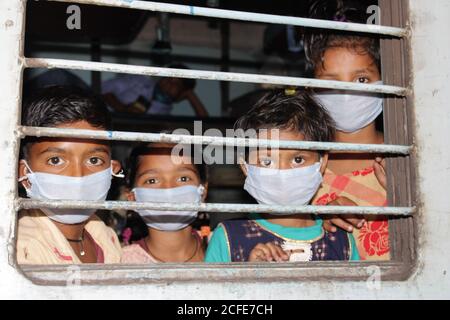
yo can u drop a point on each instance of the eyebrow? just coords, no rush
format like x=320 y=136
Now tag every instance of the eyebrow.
x=53 y=150
x=100 y=149
x=147 y=172
x=186 y=168
x=364 y=70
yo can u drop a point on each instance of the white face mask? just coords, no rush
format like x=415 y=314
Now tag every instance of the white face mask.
x=169 y=220
x=351 y=111
x=283 y=187
x=46 y=186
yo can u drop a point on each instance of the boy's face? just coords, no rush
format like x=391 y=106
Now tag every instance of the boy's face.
x=173 y=87
x=69 y=157
x=284 y=159
x=349 y=65
x=160 y=169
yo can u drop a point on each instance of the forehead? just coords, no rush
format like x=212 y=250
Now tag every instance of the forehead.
x=159 y=157
x=341 y=59
x=69 y=146
x=283 y=135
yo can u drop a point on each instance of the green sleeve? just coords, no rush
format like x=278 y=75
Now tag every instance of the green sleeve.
x=354 y=254
x=217 y=251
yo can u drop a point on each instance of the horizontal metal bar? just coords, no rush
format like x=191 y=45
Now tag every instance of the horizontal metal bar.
x=245 y=16
x=212 y=75
x=212 y=207
x=23 y=131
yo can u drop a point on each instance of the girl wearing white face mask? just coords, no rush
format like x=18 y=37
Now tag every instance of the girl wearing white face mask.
x=282 y=177
x=353 y=177
x=156 y=175
x=66 y=169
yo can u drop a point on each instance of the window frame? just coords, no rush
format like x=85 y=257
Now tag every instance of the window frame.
x=402 y=191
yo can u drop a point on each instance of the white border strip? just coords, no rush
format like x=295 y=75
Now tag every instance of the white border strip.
x=211 y=75
x=23 y=131
x=245 y=16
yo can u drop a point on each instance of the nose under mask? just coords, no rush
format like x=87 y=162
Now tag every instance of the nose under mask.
x=283 y=187
x=45 y=186
x=351 y=111
x=169 y=220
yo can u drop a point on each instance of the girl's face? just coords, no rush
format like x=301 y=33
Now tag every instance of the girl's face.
x=159 y=169
x=344 y=64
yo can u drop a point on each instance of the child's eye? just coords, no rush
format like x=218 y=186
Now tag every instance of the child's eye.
x=363 y=80
x=299 y=160
x=151 y=181
x=55 y=161
x=96 y=161
x=184 y=179
x=265 y=162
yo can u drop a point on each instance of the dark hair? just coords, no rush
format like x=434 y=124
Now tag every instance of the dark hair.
x=145 y=148
x=299 y=112
x=188 y=84
x=56 y=105
x=317 y=41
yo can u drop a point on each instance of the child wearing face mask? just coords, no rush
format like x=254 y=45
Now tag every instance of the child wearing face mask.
x=282 y=177
x=358 y=178
x=66 y=169
x=159 y=173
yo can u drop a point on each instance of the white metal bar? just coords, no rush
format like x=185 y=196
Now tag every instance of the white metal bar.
x=212 y=75
x=23 y=131
x=245 y=16
x=213 y=207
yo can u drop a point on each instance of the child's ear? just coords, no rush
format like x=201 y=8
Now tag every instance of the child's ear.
x=323 y=167
x=23 y=170
x=242 y=166
x=130 y=195
x=116 y=166
x=205 y=191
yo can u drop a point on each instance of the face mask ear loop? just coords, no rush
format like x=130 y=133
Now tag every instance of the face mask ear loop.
x=201 y=189
x=118 y=175
x=29 y=169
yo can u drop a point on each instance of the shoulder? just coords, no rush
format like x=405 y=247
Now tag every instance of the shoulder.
x=32 y=227
x=33 y=242
x=98 y=229
x=106 y=238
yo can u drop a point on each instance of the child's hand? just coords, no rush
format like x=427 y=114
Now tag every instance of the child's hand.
x=346 y=223
x=268 y=252
x=379 y=165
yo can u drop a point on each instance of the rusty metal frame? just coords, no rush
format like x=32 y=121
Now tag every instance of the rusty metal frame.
x=399 y=128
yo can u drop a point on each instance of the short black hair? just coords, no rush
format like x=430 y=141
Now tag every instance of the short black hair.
x=146 y=148
x=299 y=112
x=188 y=84
x=317 y=41
x=57 y=105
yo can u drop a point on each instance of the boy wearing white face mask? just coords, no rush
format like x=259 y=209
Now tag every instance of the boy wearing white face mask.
x=157 y=175
x=358 y=177
x=282 y=177
x=66 y=169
